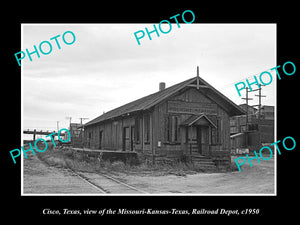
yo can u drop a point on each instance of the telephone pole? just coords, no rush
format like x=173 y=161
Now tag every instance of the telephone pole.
x=259 y=102
x=81 y=131
x=69 y=118
x=247 y=104
x=259 y=111
x=82 y=118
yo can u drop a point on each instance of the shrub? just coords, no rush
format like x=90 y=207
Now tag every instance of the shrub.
x=118 y=166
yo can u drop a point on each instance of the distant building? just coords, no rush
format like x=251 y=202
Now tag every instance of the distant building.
x=76 y=131
x=251 y=110
x=267 y=112
x=259 y=129
x=238 y=123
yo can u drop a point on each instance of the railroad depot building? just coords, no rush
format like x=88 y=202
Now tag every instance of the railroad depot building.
x=189 y=120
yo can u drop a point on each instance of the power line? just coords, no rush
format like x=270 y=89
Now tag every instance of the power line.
x=247 y=105
x=259 y=110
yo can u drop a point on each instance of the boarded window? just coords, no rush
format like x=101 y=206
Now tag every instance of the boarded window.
x=100 y=139
x=137 y=129
x=172 y=128
x=215 y=132
x=126 y=133
x=147 y=128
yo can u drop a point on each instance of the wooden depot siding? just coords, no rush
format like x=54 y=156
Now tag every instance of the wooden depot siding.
x=174 y=122
x=193 y=98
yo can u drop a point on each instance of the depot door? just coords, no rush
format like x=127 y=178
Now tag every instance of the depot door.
x=128 y=138
x=202 y=139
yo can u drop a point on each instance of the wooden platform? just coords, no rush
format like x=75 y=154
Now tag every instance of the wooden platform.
x=129 y=157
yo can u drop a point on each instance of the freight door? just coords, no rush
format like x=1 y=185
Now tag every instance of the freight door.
x=126 y=139
x=100 y=139
x=132 y=138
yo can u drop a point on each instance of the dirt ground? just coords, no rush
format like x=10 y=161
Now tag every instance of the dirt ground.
x=258 y=179
x=41 y=178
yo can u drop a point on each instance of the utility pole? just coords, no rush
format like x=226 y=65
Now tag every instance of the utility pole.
x=259 y=102
x=259 y=111
x=247 y=104
x=81 y=131
x=57 y=124
x=69 y=118
x=82 y=118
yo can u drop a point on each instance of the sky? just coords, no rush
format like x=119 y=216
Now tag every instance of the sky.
x=105 y=67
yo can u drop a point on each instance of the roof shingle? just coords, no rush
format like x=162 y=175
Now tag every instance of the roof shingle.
x=153 y=99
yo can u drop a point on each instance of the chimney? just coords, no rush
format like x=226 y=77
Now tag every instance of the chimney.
x=162 y=86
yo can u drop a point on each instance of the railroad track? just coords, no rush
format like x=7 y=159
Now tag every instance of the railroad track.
x=107 y=184
x=104 y=183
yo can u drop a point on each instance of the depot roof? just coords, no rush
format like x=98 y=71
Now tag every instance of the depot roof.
x=151 y=100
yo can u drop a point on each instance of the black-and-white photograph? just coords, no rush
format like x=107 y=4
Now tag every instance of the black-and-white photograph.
x=131 y=109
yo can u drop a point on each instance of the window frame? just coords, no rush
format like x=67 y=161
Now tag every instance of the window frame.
x=172 y=129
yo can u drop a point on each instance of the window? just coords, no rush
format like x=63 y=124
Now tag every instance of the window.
x=172 y=129
x=233 y=130
x=232 y=122
x=253 y=127
x=243 y=128
x=147 y=128
x=242 y=120
x=126 y=133
x=89 y=139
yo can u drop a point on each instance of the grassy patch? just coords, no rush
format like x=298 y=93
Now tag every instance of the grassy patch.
x=68 y=158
